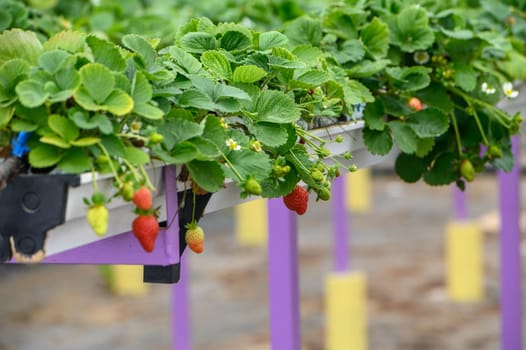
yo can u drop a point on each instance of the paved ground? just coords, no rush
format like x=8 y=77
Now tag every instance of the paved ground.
x=399 y=246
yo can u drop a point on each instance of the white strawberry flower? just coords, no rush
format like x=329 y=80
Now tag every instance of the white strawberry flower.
x=421 y=57
x=233 y=145
x=488 y=90
x=508 y=90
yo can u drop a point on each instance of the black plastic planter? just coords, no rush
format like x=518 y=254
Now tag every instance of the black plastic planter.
x=31 y=205
x=171 y=273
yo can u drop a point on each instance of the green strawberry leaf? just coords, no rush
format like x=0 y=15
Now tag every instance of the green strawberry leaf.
x=63 y=127
x=410 y=78
x=213 y=130
x=186 y=63
x=56 y=141
x=198 y=42
x=136 y=156
x=308 y=54
x=113 y=145
x=43 y=156
x=51 y=61
x=310 y=79
x=268 y=40
x=441 y=171
x=6 y=113
x=67 y=79
x=142 y=48
x=350 y=51
x=465 y=77
x=367 y=68
x=248 y=163
x=207 y=150
x=182 y=154
x=425 y=145
x=98 y=81
x=70 y=41
x=428 y=122
x=75 y=161
x=275 y=107
x=410 y=29
x=16 y=43
x=207 y=174
x=119 y=103
x=377 y=141
x=404 y=136
x=270 y=134
x=304 y=30
x=178 y=130
x=141 y=91
x=148 y=111
x=409 y=167
x=248 y=74
x=11 y=73
x=31 y=93
x=375 y=37
x=85 y=141
x=374 y=115
x=436 y=95
x=106 y=53
x=217 y=63
x=234 y=40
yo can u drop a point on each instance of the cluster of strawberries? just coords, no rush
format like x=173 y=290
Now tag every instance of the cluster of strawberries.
x=145 y=226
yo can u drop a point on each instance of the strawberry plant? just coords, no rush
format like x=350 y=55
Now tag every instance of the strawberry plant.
x=231 y=102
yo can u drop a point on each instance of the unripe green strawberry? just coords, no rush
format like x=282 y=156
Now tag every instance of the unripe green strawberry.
x=252 y=186
x=142 y=198
x=297 y=200
x=317 y=175
x=495 y=151
x=127 y=191
x=97 y=218
x=339 y=139
x=467 y=170
x=195 y=238
x=156 y=138
x=324 y=194
x=146 y=228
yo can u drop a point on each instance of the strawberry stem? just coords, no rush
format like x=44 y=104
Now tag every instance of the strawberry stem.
x=232 y=167
x=457 y=134
x=105 y=151
x=148 y=183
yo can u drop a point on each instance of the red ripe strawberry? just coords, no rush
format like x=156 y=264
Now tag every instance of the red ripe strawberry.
x=146 y=228
x=195 y=238
x=143 y=198
x=297 y=200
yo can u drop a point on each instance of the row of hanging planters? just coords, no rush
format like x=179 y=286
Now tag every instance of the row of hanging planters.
x=225 y=102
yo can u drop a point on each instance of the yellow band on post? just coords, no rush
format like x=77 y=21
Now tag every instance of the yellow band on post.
x=127 y=280
x=346 y=311
x=464 y=261
x=251 y=222
x=358 y=188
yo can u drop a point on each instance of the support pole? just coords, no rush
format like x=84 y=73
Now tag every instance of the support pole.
x=251 y=223
x=510 y=258
x=283 y=277
x=181 y=320
x=464 y=254
x=345 y=290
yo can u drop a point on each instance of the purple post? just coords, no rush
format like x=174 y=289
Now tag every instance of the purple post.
x=339 y=220
x=283 y=277
x=459 y=202
x=510 y=258
x=181 y=320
